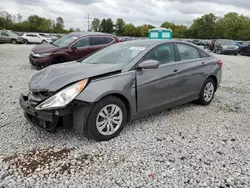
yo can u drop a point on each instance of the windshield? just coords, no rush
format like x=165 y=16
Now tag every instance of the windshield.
x=65 y=41
x=11 y=33
x=115 y=54
x=227 y=42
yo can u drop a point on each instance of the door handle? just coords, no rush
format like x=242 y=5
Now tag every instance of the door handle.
x=175 y=71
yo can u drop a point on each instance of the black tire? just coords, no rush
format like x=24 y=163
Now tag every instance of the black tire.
x=13 y=41
x=201 y=99
x=26 y=41
x=236 y=54
x=44 y=42
x=91 y=129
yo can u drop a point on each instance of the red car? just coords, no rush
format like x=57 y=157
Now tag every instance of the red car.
x=71 y=47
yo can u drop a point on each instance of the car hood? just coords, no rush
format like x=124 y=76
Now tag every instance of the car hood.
x=40 y=48
x=55 y=77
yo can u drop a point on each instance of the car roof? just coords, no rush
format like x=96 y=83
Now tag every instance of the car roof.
x=148 y=42
x=82 y=34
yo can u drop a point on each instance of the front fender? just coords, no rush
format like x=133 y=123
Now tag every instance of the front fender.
x=123 y=84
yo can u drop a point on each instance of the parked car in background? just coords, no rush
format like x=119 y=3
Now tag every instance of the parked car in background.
x=7 y=36
x=49 y=37
x=224 y=46
x=246 y=48
x=101 y=93
x=239 y=44
x=35 y=38
x=71 y=47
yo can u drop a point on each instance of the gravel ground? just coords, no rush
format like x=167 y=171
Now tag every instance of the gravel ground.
x=187 y=146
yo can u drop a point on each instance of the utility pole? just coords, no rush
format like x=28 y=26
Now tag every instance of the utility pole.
x=88 y=20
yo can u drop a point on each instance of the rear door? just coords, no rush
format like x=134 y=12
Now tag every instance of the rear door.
x=194 y=65
x=30 y=38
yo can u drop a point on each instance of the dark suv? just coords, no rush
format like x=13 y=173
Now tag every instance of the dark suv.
x=246 y=48
x=71 y=47
x=224 y=46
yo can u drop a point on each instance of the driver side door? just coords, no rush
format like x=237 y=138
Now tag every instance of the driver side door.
x=160 y=86
x=4 y=37
x=80 y=49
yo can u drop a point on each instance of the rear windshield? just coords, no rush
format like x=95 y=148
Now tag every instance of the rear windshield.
x=227 y=42
x=65 y=41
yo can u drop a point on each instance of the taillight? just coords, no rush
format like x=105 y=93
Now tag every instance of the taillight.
x=220 y=64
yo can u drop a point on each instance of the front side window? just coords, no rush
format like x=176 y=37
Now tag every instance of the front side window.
x=163 y=53
x=82 y=43
x=187 y=52
x=97 y=41
x=4 y=34
x=65 y=41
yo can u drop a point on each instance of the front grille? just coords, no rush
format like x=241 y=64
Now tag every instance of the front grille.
x=35 y=98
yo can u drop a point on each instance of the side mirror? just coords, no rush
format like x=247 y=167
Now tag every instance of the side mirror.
x=149 y=64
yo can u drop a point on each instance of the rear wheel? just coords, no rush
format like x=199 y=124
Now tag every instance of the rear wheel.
x=44 y=42
x=106 y=119
x=13 y=41
x=207 y=92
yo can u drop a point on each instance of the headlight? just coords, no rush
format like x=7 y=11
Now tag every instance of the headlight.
x=63 y=97
x=237 y=47
x=41 y=54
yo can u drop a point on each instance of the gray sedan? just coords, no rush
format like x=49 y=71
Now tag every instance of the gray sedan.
x=98 y=95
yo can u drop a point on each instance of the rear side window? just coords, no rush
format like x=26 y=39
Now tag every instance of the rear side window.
x=108 y=40
x=203 y=54
x=81 y=43
x=187 y=52
x=97 y=41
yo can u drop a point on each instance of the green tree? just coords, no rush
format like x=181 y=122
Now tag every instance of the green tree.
x=204 y=27
x=19 y=18
x=71 y=30
x=103 y=27
x=77 y=30
x=109 y=26
x=95 y=25
x=119 y=25
x=59 y=26
x=129 y=30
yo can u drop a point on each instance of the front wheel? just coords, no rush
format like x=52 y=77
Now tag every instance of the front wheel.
x=207 y=92
x=44 y=42
x=13 y=41
x=106 y=119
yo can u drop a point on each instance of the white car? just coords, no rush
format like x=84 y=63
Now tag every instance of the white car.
x=35 y=38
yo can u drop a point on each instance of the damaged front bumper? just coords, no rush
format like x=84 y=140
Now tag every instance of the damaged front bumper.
x=74 y=115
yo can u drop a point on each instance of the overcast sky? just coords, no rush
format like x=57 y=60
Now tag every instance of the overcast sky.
x=137 y=12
